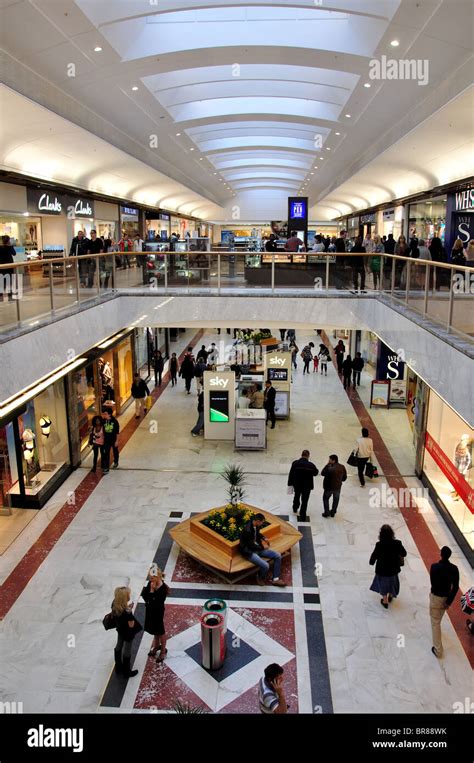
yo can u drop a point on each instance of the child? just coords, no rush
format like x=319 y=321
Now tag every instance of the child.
x=315 y=364
x=174 y=369
x=323 y=359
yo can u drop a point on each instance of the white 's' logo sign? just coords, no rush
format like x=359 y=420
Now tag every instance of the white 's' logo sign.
x=216 y=382
x=45 y=737
x=278 y=361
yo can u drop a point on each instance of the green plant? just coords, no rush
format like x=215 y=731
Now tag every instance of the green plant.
x=228 y=521
x=234 y=475
x=183 y=708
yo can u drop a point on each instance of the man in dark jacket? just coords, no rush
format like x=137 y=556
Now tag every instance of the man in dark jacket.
x=444 y=578
x=79 y=247
x=301 y=480
x=334 y=475
x=253 y=545
x=357 y=366
x=358 y=265
x=139 y=393
x=111 y=433
x=187 y=369
x=389 y=245
x=199 y=425
x=269 y=402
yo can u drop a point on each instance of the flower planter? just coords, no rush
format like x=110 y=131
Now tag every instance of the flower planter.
x=229 y=547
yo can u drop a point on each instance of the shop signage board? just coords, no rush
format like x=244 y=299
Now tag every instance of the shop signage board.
x=45 y=202
x=78 y=206
x=398 y=391
x=129 y=213
x=388 y=215
x=219 y=405
x=369 y=218
x=462 y=487
x=380 y=394
x=464 y=200
x=389 y=364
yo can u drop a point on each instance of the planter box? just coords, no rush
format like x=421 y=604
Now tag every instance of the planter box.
x=228 y=547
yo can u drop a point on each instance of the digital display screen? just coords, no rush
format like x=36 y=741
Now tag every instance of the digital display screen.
x=219 y=407
x=298 y=210
x=278 y=374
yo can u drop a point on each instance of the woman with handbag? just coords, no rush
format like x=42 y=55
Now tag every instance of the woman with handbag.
x=364 y=451
x=388 y=556
x=97 y=439
x=127 y=628
x=154 y=595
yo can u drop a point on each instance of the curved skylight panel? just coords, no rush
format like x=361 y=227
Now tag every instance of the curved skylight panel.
x=261 y=105
x=282 y=175
x=251 y=127
x=261 y=163
x=265 y=184
x=311 y=28
x=256 y=154
x=229 y=143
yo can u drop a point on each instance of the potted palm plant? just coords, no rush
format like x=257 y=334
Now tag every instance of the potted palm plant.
x=234 y=475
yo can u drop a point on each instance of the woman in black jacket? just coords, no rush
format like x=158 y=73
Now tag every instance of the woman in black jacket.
x=154 y=595
x=388 y=556
x=127 y=628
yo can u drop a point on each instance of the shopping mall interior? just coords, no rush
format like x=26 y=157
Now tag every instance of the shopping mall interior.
x=237 y=251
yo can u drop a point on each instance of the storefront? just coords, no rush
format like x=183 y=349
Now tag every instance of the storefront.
x=448 y=470
x=460 y=217
x=157 y=225
x=427 y=219
x=35 y=449
x=103 y=218
x=129 y=222
x=367 y=224
x=15 y=221
x=51 y=208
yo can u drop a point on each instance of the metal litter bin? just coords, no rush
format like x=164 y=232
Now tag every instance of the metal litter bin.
x=217 y=605
x=212 y=641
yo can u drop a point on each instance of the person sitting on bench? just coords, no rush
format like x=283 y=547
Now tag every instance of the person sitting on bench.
x=253 y=545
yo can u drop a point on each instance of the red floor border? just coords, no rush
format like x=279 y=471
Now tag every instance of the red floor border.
x=21 y=575
x=420 y=532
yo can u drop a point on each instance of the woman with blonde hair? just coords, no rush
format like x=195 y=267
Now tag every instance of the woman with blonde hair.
x=457 y=253
x=154 y=595
x=127 y=627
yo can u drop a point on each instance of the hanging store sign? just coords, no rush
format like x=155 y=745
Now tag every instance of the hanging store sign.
x=464 y=200
x=388 y=215
x=129 y=213
x=80 y=207
x=369 y=218
x=45 y=202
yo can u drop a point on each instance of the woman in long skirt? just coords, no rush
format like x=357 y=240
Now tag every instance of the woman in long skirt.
x=388 y=557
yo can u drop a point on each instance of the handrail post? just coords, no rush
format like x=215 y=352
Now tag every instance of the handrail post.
x=76 y=276
x=407 y=281
x=382 y=263
x=97 y=270
x=427 y=286
x=219 y=273
x=114 y=272
x=18 y=313
x=273 y=273
x=166 y=273
x=393 y=277
x=51 y=290
x=451 y=301
x=327 y=273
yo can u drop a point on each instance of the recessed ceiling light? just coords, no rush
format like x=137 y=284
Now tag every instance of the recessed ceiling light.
x=315 y=168
x=395 y=43
x=338 y=133
x=134 y=87
x=178 y=134
x=200 y=158
x=191 y=149
x=215 y=173
x=97 y=49
x=312 y=173
x=367 y=84
x=348 y=116
x=327 y=148
x=321 y=158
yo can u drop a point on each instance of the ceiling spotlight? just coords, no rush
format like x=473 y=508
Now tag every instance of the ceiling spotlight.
x=395 y=43
x=178 y=134
x=367 y=84
x=321 y=158
x=200 y=159
x=315 y=168
x=134 y=87
x=191 y=149
x=311 y=173
x=97 y=49
x=327 y=148
x=215 y=173
x=338 y=133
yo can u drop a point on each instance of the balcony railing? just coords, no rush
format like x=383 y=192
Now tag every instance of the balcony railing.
x=33 y=291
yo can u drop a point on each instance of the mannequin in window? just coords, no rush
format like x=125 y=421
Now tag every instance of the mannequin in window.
x=462 y=459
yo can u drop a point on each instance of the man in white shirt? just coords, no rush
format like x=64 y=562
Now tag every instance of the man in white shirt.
x=244 y=402
x=212 y=354
x=271 y=696
x=318 y=245
x=364 y=451
x=137 y=243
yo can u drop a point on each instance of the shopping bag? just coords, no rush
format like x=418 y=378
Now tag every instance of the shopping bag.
x=352 y=460
x=149 y=402
x=370 y=470
x=109 y=622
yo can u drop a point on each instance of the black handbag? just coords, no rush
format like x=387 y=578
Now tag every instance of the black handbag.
x=109 y=622
x=352 y=460
x=370 y=470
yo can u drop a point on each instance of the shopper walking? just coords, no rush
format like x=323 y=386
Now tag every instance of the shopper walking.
x=271 y=696
x=340 y=350
x=301 y=479
x=363 y=451
x=388 y=556
x=375 y=261
x=334 y=475
x=154 y=595
x=127 y=628
x=158 y=366
x=111 y=433
x=140 y=392
x=323 y=357
x=269 y=402
x=347 y=371
x=187 y=369
x=97 y=439
x=358 y=266
x=199 y=369
x=203 y=353
x=174 y=368
x=7 y=253
x=294 y=349
x=256 y=548
x=282 y=334
x=307 y=357
x=79 y=248
x=444 y=577
x=212 y=355
x=199 y=425
x=95 y=246
x=357 y=366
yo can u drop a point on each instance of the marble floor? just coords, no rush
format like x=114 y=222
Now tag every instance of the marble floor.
x=341 y=651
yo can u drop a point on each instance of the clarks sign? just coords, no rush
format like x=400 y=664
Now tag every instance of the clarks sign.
x=45 y=202
x=82 y=207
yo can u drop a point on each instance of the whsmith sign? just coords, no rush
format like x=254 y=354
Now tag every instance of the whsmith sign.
x=464 y=200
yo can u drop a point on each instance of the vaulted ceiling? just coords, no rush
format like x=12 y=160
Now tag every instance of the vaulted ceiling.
x=239 y=99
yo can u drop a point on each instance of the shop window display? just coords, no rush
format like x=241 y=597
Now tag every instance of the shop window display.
x=8 y=463
x=106 y=380
x=87 y=403
x=448 y=463
x=125 y=370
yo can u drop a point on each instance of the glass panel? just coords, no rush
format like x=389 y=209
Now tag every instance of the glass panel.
x=233 y=271
x=87 y=402
x=438 y=295
x=416 y=294
x=129 y=269
x=125 y=370
x=106 y=265
x=8 y=465
x=154 y=269
x=64 y=283
x=257 y=270
x=178 y=271
x=199 y=269
x=463 y=304
x=340 y=273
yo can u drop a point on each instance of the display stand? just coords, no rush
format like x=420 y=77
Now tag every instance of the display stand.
x=277 y=365
x=250 y=429
x=219 y=405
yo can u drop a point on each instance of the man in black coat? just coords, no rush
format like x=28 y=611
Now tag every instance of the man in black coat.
x=269 y=402
x=301 y=480
x=357 y=366
x=444 y=577
x=334 y=475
